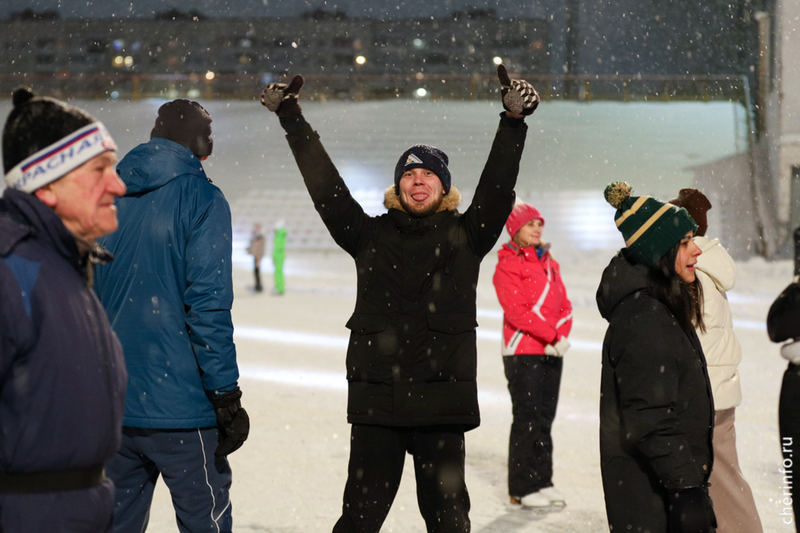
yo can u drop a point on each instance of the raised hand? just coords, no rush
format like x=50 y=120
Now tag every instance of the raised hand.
x=519 y=96
x=282 y=99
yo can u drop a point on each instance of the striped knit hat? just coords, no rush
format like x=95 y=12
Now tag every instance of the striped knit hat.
x=650 y=227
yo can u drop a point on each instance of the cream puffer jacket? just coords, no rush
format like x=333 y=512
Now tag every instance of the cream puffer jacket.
x=717 y=274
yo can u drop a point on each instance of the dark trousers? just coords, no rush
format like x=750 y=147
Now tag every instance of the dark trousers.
x=377 y=455
x=789 y=421
x=257 y=275
x=533 y=381
x=74 y=511
x=198 y=482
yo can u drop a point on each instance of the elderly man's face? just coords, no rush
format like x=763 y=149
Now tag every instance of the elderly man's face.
x=84 y=198
x=421 y=192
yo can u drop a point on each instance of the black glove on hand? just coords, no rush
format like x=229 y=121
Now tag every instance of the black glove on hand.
x=519 y=96
x=282 y=99
x=691 y=511
x=232 y=422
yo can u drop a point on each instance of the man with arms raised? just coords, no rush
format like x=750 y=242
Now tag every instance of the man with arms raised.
x=411 y=363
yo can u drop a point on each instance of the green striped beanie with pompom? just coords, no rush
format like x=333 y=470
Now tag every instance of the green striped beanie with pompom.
x=649 y=226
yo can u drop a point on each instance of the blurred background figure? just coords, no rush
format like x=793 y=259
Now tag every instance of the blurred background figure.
x=733 y=500
x=783 y=325
x=256 y=249
x=278 y=255
x=537 y=318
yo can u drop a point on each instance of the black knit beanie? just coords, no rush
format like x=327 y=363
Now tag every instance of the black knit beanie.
x=187 y=123
x=37 y=122
x=423 y=156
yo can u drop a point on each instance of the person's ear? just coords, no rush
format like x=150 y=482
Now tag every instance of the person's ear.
x=46 y=196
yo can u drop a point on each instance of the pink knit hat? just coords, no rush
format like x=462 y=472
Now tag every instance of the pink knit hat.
x=520 y=216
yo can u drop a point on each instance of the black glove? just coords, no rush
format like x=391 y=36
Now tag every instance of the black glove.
x=282 y=99
x=519 y=96
x=691 y=511
x=232 y=422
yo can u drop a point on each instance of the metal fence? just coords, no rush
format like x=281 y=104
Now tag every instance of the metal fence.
x=368 y=87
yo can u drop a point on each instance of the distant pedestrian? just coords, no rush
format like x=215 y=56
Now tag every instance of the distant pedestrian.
x=537 y=318
x=733 y=500
x=169 y=296
x=256 y=248
x=656 y=405
x=278 y=257
x=62 y=374
x=783 y=325
x=412 y=360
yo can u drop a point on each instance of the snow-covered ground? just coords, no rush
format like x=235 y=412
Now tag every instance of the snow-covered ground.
x=289 y=476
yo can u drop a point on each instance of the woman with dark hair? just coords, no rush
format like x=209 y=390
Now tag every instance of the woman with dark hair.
x=656 y=407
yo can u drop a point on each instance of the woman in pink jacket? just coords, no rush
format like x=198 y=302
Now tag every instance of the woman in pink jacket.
x=537 y=317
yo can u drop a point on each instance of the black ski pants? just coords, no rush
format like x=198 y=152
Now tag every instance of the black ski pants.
x=377 y=454
x=533 y=381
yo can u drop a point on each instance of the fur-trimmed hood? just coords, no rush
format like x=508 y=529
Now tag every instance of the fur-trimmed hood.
x=450 y=202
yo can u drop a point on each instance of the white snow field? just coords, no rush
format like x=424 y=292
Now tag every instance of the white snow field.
x=290 y=474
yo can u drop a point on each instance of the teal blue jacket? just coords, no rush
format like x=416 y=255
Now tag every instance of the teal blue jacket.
x=169 y=292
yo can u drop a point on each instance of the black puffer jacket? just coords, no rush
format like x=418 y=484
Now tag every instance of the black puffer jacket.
x=412 y=354
x=656 y=408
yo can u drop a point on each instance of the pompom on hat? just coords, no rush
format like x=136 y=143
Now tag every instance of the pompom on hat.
x=45 y=139
x=423 y=156
x=187 y=123
x=650 y=227
x=521 y=215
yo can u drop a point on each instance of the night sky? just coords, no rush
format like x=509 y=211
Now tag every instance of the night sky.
x=274 y=8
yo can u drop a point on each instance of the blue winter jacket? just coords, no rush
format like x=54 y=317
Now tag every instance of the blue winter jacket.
x=168 y=292
x=62 y=376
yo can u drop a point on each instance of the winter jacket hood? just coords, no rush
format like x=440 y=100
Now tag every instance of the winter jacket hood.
x=152 y=165
x=620 y=280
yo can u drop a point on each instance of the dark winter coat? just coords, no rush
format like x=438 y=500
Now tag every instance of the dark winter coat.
x=412 y=354
x=62 y=374
x=656 y=407
x=169 y=291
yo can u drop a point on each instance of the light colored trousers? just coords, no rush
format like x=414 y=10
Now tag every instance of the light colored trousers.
x=733 y=500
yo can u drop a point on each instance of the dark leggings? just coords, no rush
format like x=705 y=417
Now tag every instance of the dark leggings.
x=377 y=455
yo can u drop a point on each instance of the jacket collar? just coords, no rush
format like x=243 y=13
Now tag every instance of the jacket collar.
x=450 y=202
x=29 y=217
